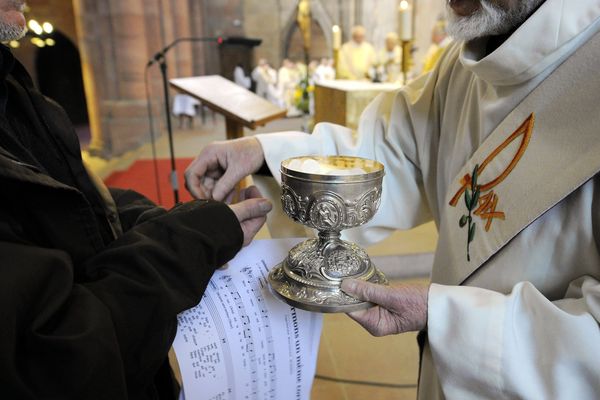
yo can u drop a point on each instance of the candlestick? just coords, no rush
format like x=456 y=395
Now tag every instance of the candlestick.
x=406 y=59
x=405 y=21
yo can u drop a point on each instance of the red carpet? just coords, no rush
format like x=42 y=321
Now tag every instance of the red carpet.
x=141 y=178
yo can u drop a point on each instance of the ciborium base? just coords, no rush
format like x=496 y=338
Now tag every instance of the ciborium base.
x=311 y=276
x=317 y=299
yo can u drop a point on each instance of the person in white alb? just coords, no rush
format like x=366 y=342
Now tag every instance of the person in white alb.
x=266 y=78
x=499 y=144
x=240 y=78
x=324 y=72
x=389 y=59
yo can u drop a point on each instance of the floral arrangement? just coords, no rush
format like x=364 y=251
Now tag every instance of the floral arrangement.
x=302 y=95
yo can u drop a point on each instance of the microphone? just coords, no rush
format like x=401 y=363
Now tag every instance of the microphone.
x=161 y=54
x=157 y=57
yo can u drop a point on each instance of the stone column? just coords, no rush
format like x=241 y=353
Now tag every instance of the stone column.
x=116 y=40
x=89 y=29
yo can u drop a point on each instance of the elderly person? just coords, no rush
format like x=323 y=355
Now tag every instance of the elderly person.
x=390 y=59
x=356 y=57
x=499 y=146
x=91 y=279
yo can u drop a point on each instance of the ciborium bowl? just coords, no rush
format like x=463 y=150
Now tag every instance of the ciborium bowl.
x=329 y=194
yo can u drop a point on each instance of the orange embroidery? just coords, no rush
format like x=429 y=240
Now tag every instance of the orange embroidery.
x=487 y=209
x=488 y=200
x=480 y=199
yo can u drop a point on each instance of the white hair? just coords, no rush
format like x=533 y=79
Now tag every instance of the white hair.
x=489 y=20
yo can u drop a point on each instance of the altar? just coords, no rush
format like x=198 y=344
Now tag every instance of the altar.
x=343 y=101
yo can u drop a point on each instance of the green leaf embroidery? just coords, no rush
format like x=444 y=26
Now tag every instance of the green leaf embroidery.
x=471 y=201
x=475 y=199
x=474 y=177
x=472 y=232
x=468 y=199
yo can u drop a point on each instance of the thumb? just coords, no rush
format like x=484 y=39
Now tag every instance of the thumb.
x=367 y=291
x=252 y=208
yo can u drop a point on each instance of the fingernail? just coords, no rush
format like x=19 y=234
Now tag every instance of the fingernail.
x=265 y=206
x=349 y=285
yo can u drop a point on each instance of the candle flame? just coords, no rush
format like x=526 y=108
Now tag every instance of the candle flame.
x=404 y=5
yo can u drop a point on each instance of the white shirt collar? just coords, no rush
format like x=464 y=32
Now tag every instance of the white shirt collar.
x=536 y=44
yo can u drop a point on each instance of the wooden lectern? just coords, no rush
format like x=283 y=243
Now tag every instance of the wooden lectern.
x=241 y=107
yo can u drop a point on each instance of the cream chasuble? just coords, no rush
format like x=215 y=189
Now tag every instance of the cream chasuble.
x=355 y=60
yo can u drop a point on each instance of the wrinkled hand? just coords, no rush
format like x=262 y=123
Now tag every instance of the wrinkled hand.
x=221 y=165
x=398 y=309
x=251 y=211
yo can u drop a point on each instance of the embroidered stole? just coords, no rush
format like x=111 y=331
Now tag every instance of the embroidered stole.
x=544 y=150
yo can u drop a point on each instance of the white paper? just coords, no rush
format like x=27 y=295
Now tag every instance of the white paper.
x=241 y=342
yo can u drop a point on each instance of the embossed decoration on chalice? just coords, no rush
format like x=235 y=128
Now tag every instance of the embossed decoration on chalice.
x=329 y=194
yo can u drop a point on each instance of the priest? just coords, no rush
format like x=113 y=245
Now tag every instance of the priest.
x=498 y=144
x=356 y=57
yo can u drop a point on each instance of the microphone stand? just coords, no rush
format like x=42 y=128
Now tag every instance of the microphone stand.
x=161 y=59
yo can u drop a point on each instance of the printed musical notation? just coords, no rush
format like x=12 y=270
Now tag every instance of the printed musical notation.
x=240 y=342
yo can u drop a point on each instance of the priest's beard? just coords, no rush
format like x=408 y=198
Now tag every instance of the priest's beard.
x=489 y=20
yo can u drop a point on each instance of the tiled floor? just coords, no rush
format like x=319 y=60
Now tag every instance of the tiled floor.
x=347 y=352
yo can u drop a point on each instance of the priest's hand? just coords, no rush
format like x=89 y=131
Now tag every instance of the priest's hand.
x=221 y=165
x=251 y=211
x=398 y=309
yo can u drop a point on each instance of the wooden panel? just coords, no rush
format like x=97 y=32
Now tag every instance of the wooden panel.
x=330 y=105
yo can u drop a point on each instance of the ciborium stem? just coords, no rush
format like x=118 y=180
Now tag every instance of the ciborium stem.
x=326 y=237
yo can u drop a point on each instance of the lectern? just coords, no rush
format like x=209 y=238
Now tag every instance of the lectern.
x=240 y=107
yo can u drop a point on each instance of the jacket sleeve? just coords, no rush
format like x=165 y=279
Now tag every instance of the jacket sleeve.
x=522 y=345
x=104 y=333
x=133 y=207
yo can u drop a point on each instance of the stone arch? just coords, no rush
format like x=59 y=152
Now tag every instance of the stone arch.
x=59 y=76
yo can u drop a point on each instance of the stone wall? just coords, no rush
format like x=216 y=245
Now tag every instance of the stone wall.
x=116 y=39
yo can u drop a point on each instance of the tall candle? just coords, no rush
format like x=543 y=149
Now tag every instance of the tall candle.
x=405 y=21
x=337 y=37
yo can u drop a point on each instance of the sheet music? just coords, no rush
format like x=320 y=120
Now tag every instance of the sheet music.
x=241 y=342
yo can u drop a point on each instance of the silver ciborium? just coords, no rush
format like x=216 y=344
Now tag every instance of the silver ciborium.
x=336 y=193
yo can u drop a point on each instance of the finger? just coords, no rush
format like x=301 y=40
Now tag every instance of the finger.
x=198 y=167
x=226 y=184
x=252 y=208
x=214 y=173
x=229 y=198
x=367 y=291
x=196 y=171
x=251 y=227
x=376 y=320
x=252 y=192
x=205 y=188
x=193 y=185
x=248 y=193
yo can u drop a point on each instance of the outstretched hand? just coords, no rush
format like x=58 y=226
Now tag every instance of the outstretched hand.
x=221 y=165
x=398 y=309
x=251 y=211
